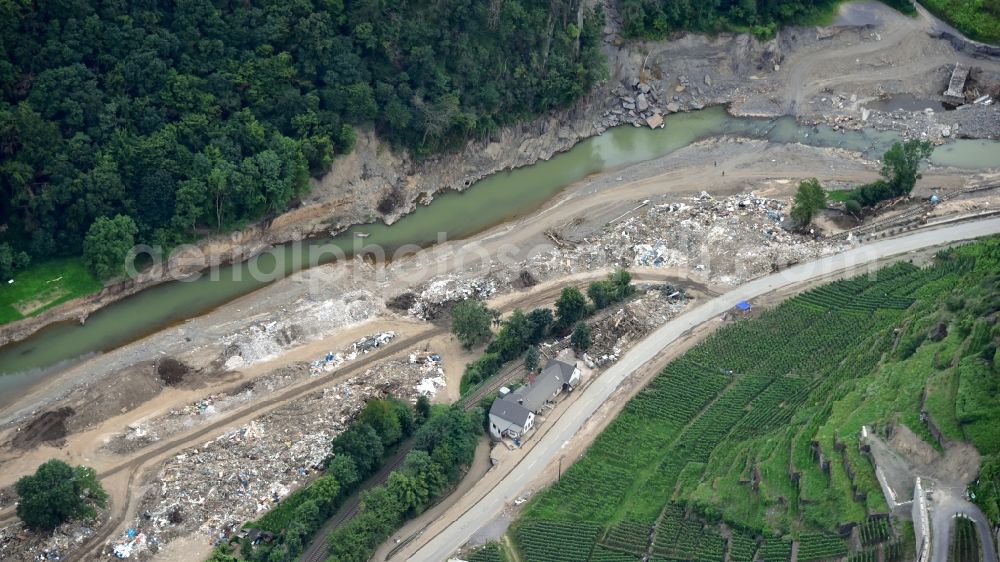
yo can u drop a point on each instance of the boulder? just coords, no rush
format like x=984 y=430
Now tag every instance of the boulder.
x=641 y=102
x=708 y=80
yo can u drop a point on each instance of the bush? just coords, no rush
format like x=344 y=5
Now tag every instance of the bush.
x=601 y=293
x=481 y=369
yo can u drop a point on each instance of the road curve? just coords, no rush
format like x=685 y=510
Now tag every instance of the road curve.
x=943 y=523
x=456 y=534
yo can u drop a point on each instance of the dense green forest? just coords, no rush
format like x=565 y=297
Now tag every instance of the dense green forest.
x=193 y=116
x=660 y=18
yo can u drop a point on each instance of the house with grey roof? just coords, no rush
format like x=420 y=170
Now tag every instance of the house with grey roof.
x=513 y=414
x=510 y=419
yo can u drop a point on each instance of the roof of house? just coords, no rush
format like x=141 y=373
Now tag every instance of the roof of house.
x=510 y=411
x=546 y=385
x=564 y=369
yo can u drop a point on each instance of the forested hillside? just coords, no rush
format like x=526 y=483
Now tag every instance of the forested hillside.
x=660 y=18
x=193 y=115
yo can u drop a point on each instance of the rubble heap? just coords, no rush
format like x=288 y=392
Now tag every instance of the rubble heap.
x=623 y=325
x=723 y=241
x=438 y=293
x=217 y=487
x=20 y=544
x=140 y=435
x=264 y=341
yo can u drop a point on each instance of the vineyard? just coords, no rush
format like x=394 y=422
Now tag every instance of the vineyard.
x=748 y=443
x=490 y=552
x=964 y=542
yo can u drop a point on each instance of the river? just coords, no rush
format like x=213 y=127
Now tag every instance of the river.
x=491 y=201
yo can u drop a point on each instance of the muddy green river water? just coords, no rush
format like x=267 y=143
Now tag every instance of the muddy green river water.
x=491 y=201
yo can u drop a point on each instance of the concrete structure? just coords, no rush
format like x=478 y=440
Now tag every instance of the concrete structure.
x=513 y=414
x=921 y=523
x=956 y=86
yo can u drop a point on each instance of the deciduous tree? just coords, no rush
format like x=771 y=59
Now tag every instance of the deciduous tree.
x=470 y=322
x=107 y=245
x=57 y=493
x=809 y=199
x=581 y=336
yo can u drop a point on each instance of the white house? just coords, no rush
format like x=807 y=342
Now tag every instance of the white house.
x=513 y=415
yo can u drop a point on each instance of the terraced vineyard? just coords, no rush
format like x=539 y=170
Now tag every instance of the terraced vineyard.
x=964 y=542
x=748 y=443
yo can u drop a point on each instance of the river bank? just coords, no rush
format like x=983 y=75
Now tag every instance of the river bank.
x=754 y=78
x=373 y=170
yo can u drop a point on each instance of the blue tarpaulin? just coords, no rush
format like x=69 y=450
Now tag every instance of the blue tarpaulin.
x=743 y=305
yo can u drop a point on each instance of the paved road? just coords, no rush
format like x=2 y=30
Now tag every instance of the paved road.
x=948 y=505
x=441 y=546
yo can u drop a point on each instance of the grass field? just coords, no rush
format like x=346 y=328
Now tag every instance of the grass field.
x=721 y=453
x=42 y=286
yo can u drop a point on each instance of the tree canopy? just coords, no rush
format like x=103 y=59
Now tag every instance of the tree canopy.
x=108 y=244
x=901 y=164
x=570 y=307
x=195 y=115
x=660 y=18
x=900 y=172
x=362 y=444
x=57 y=493
x=470 y=322
x=809 y=199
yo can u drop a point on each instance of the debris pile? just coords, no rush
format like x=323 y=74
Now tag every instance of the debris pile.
x=724 y=241
x=623 y=325
x=215 y=488
x=257 y=343
x=430 y=366
x=139 y=435
x=264 y=341
x=332 y=360
x=20 y=544
x=438 y=294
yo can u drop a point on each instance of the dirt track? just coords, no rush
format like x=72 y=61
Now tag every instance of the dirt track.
x=123 y=479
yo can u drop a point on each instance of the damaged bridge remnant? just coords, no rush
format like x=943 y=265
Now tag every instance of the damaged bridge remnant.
x=956 y=86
